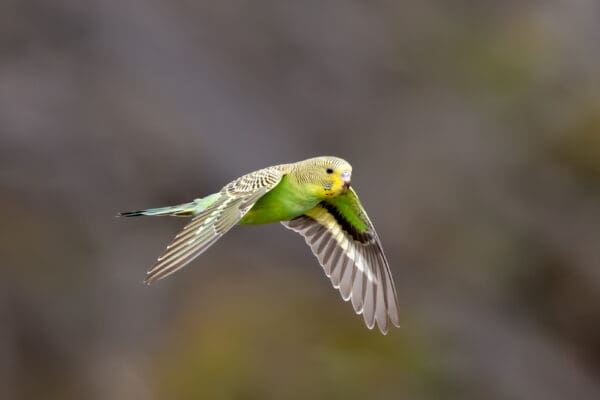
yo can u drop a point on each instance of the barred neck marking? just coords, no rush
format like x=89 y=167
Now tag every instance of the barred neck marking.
x=305 y=171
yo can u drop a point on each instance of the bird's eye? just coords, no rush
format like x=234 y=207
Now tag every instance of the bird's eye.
x=329 y=171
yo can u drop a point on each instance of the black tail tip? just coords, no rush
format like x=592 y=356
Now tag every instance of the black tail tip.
x=131 y=213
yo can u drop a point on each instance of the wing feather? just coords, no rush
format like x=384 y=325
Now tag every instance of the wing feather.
x=352 y=259
x=369 y=306
x=349 y=275
x=380 y=306
x=236 y=198
x=357 y=289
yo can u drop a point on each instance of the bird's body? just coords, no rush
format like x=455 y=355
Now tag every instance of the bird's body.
x=312 y=197
x=284 y=202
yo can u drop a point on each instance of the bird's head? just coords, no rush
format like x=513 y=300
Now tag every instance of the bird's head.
x=330 y=176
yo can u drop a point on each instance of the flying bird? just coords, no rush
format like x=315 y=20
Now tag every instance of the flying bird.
x=312 y=197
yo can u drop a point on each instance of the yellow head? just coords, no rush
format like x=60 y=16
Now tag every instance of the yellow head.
x=327 y=176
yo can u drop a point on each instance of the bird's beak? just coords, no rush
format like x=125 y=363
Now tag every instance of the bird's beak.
x=346 y=177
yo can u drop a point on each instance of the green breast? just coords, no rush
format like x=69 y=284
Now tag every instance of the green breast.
x=285 y=201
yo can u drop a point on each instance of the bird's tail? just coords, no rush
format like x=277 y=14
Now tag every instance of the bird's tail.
x=181 y=210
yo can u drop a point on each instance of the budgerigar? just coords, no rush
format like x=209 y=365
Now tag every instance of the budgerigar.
x=312 y=197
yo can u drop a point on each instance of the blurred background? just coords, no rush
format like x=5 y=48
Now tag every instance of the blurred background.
x=474 y=133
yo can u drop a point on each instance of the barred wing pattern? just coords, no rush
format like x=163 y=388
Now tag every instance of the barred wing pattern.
x=354 y=261
x=235 y=199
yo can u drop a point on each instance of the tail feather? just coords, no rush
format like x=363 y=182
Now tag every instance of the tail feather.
x=131 y=213
x=181 y=210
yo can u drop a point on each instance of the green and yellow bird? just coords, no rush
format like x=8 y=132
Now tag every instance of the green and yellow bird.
x=312 y=197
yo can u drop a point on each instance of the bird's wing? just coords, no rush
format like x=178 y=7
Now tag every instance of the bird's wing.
x=342 y=237
x=235 y=199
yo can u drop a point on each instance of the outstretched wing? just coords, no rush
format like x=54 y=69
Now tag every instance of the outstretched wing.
x=342 y=237
x=233 y=202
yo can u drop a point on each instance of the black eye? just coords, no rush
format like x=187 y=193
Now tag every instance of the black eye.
x=329 y=171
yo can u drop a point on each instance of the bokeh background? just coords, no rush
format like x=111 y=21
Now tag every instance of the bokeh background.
x=474 y=132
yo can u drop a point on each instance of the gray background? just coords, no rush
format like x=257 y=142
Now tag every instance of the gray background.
x=474 y=133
